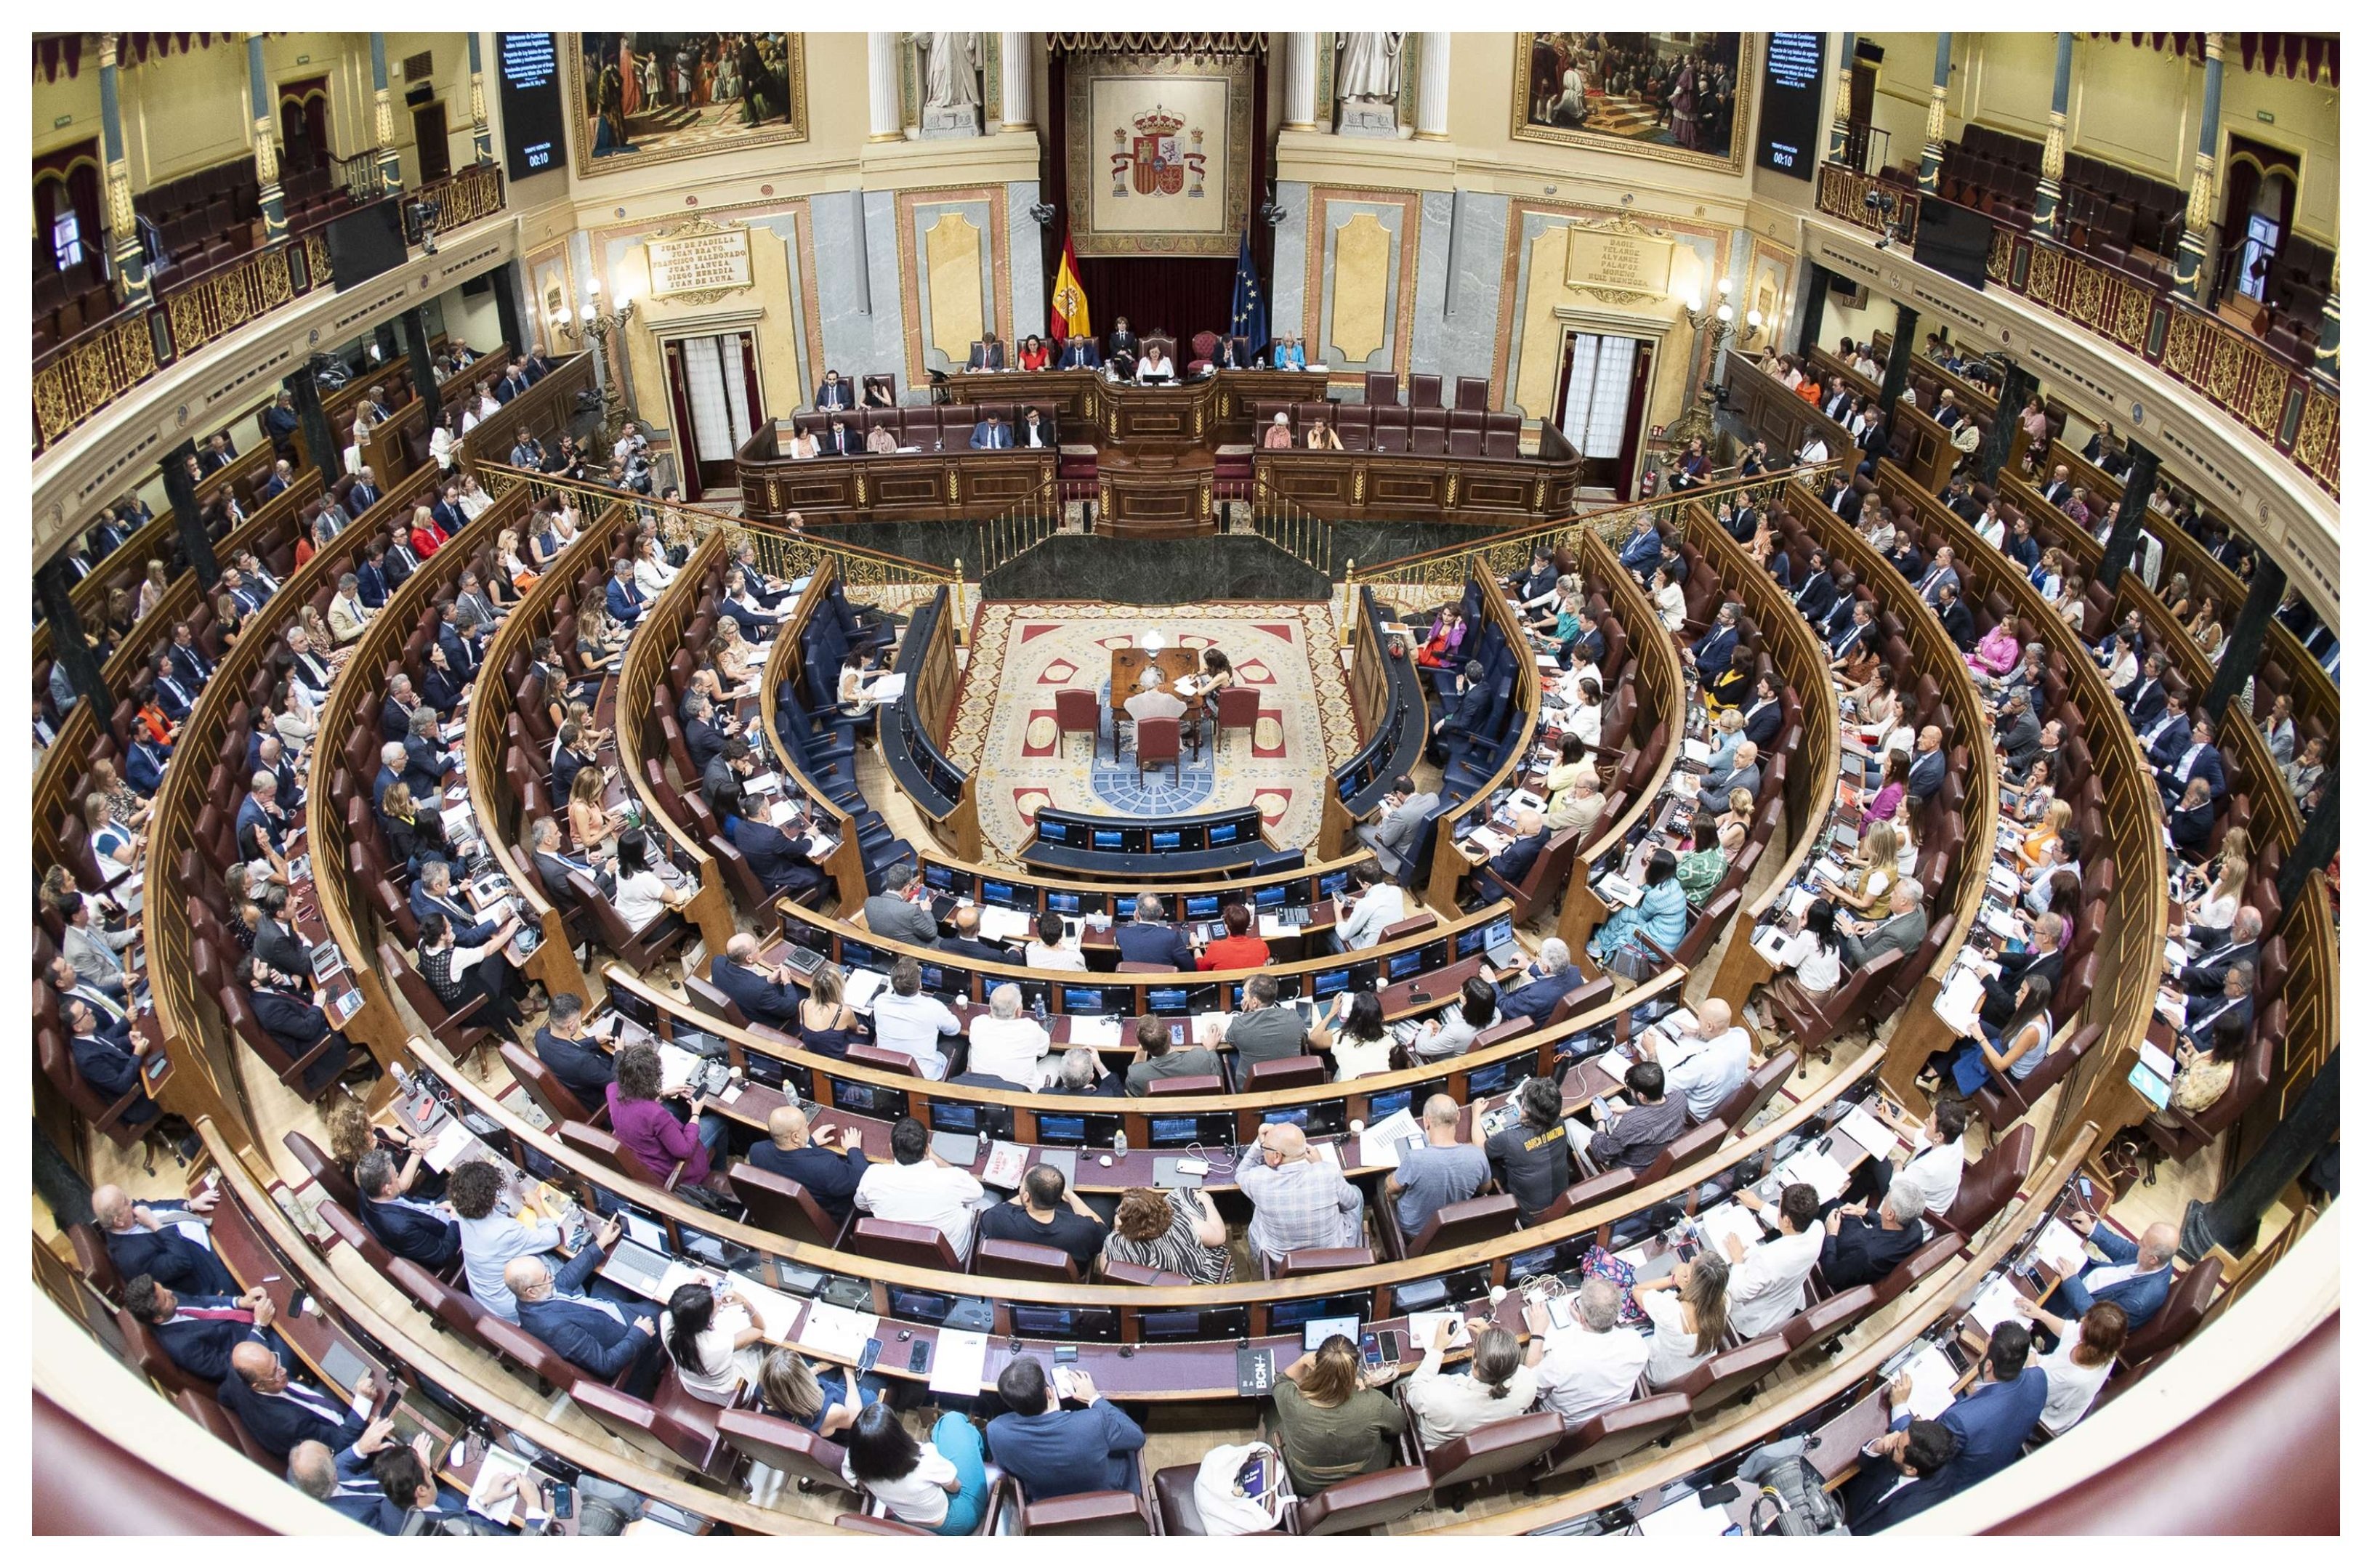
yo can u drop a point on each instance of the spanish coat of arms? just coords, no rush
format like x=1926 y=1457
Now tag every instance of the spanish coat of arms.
x=1160 y=168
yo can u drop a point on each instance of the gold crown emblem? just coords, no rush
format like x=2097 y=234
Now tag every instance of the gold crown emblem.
x=1160 y=122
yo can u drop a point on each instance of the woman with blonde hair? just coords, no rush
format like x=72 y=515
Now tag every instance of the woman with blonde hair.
x=823 y=1401
x=152 y=589
x=2034 y=848
x=1877 y=858
x=1689 y=1309
x=591 y=821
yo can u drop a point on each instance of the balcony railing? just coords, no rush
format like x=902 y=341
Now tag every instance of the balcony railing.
x=81 y=377
x=2295 y=412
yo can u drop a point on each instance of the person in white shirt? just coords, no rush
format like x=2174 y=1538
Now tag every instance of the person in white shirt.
x=1716 y=1067
x=1690 y=1310
x=1379 y=903
x=652 y=574
x=1815 y=450
x=1766 y=1282
x=916 y=1187
x=906 y=1021
x=1155 y=366
x=1007 y=1045
x=1053 y=949
x=1495 y=1386
x=2083 y=1360
x=1935 y=1166
x=1153 y=702
x=1591 y=1365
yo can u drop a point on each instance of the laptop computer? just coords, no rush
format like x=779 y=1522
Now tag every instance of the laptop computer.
x=958 y=1149
x=1064 y=1160
x=1499 y=943
x=635 y=1267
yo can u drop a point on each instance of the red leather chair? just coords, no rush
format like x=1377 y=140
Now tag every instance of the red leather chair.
x=1079 y=713
x=1489 y=1453
x=1730 y=1373
x=1284 y=1072
x=1089 y=1514
x=897 y=1241
x=1023 y=1261
x=1238 y=707
x=1452 y=1225
x=1362 y=1503
x=784 y=1206
x=1157 y=742
x=610 y=1152
x=1990 y=1183
x=1311 y=1260
x=1611 y=1434
x=813 y=1462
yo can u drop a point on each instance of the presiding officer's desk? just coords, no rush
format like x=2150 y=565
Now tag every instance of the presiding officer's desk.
x=1088 y=406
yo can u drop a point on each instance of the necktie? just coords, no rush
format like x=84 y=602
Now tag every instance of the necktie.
x=218 y=1314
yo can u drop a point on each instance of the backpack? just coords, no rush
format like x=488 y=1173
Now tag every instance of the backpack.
x=1792 y=1501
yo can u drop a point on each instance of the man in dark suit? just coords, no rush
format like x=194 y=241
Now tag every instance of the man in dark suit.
x=447 y=508
x=991 y=433
x=279 y=946
x=395 y=714
x=966 y=942
x=364 y=493
x=1904 y=1479
x=1147 y=940
x=1500 y=875
x=1927 y=764
x=402 y=1476
x=1714 y=650
x=721 y=781
x=1037 y=431
x=425 y=765
x=287 y=1013
x=280 y=423
x=583 y=1068
x=840 y=440
x=2164 y=742
x=142 y=1238
x=987 y=353
x=1643 y=548
x=2200 y=760
x=2138 y=1275
x=828 y=1164
x=280 y=1414
x=1763 y=713
x=783 y=861
x=107 y=1053
x=625 y=600
x=1862 y=1247
x=425 y=1233
x=1745 y=772
x=605 y=1333
x=1534 y=992
x=576 y=752
x=513 y=382
x=370 y=578
x=1463 y=715
x=553 y=864
x=1079 y=354
x=1958 y=625
x=143 y=765
x=2234 y=1007
x=1121 y=341
x=260 y=809
x=199 y=1332
x=173 y=699
x=704 y=737
x=834 y=393
x=2016 y=735
x=764 y=996
x=2204 y=976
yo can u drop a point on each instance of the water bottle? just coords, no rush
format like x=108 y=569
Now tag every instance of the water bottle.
x=1120 y=1143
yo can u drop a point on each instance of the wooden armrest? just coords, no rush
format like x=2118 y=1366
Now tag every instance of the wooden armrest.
x=674 y=1175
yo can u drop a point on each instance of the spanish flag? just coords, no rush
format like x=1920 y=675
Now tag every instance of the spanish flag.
x=1068 y=313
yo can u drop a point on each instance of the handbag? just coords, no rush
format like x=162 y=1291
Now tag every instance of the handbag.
x=1241 y=1490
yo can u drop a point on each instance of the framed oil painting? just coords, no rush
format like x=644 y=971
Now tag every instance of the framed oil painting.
x=646 y=98
x=1681 y=96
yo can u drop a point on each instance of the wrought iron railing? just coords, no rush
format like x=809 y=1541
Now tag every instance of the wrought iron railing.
x=465 y=196
x=2292 y=411
x=1021 y=528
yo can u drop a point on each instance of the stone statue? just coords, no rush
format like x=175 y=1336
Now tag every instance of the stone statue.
x=950 y=80
x=1367 y=82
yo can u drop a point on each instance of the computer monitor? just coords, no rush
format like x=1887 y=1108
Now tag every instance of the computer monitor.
x=935 y=977
x=1107 y=839
x=1286 y=1316
x=1052 y=829
x=1539 y=1260
x=868 y=1099
x=1328 y=984
x=541 y=1165
x=1225 y=834
x=958 y=1116
x=1389 y=1102
x=1068 y=1132
x=857 y=955
x=1202 y=906
x=637 y=1009
x=1166 y=841
x=1272 y=896
x=1212 y=1130
x=938 y=879
x=1403 y=965
x=1003 y=895
x=1292 y=1115
x=1471 y=941
x=1063 y=903
x=1179 y=1325
x=1330 y=884
x=1090 y=1323
x=920 y=1306
x=1502 y=931
x=1083 y=999
x=1166 y=1001
x=1490 y=1078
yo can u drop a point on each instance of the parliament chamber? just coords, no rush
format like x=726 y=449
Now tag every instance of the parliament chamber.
x=1185 y=783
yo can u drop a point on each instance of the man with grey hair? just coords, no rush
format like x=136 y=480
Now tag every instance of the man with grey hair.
x=1535 y=991
x=2136 y=1275
x=1585 y=1365
x=1442 y=1171
x=348 y=614
x=1710 y=1060
x=1904 y=927
x=391 y=758
x=316 y=1472
x=425 y=762
x=1082 y=1073
x=1149 y=939
x=426 y=1234
x=262 y=809
x=1863 y=1249
x=1007 y=1045
x=764 y=995
x=2204 y=976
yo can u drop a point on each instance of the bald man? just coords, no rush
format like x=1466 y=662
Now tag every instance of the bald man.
x=606 y=1335
x=1705 y=1065
x=1499 y=877
x=279 y=1414
x=145 y=1239
x=2137 y=1276
x=764 y=996
x=1300 y=1197
x=828 y=1164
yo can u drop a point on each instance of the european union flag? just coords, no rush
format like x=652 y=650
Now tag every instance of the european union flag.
x=1250 y=320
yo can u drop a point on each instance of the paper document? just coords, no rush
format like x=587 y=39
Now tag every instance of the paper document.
x=1957 y=1003
x=1614 y=889
x=1932 y=1379
x=1867 y=1131
x=2060 y=1249
x=676 y=1067
x=761 y=783
x=2157 y=1061
x=1005 y=1163
x=1095 y=1034
x=957 y=1364
x=1995 y=1305
x=1003 y=924
x=1817 y=1170
x=781 y=811
x=862 y=986
x=1726 y=1219
x=1486 y=841
x=1696 y=750
x=1422 y=1326
x=888 y=689
x=453 y=1141
x=836 y=1333
x=2004 y=924
x=498 y=1465
x=1381 y=1142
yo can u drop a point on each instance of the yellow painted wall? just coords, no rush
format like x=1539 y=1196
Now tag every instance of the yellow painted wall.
x=2305 y=120
x=777 y=325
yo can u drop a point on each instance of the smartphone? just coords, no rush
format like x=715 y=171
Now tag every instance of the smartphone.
x=866 y=1358
x=564 y=1501
x=299 y=1304
x=1391 y=1346
x=919 y=1358
x=1065 y=1355
x=1371 y=1352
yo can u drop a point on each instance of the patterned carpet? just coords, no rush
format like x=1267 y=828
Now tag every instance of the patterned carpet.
x=1022 y=654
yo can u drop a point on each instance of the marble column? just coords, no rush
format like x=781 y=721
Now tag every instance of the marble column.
x=181 y=490
x=2055 y=141
x=123 y=228
x=390 y=168
x=1301 y=81
x=886 y=120
x=481 y=135
x=267 y=153
x=1433 y=86
x=1016 y=52
x=2124 y=537
x=1931 y=155
x=54 y=587
x=1839 y=127
x=2191 y=275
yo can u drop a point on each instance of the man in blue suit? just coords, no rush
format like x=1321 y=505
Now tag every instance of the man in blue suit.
x=1463 y=715
x=1054 y=1452
x=2145 y=699
x=199 y=1332
x=2199 y=759
x=2137 y=1276
x=1904 y=1479
x=1927 y=764
x=405 y=1483
x=582 y=1067
x=1992 y=1419
x=834 y=393
x=991 y=433
x=1644 y=548
x=783 y=863
x=341 y=1482
x=142 y=1239
x=108 y=1055
x=280 y=1414
x=987 y=353
x=1146 y=940
x=1538 y=989
x=144 y=767
x=425 y=1233
x=626 y=602
x=1498 y=876
x=1714 y=650
x=1079 y=354
x=189 y=661
x=764 y=996
x=601 y=1334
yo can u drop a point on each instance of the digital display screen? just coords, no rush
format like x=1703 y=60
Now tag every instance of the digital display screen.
x=1293 y=1314
x=1063 y=903
x=857 y=955
x=941 y=878
x=1044 y=1322
x=1225 y=833
x=1298 y=1115
x=1501 y=933
x=1067 y=1129
x=954 y=1117
x=1164 y=842
x=1108 y=838
x=1170 y=1131
x=1489 y=1079
x=1202 y=906
x=1331 y=885
x=933 y=977
x=1167 y=1001
x=920 y=1306
x=1329 y=983
x=1790 y=140
x=1083 y=999
x=1051 y=832
x=867 y=1099
x=1003 y=895
x=527 y=72
x=1191 y=1323
x=1400 y=966
x=1269 y=898
x=1469 y=941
